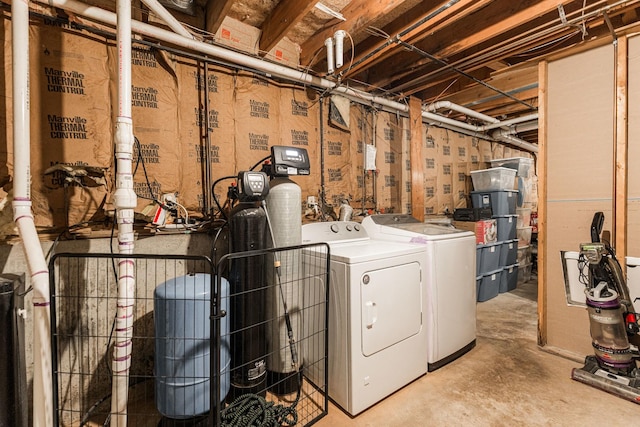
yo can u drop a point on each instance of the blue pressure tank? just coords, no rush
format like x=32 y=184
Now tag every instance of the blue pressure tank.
x=182 y=307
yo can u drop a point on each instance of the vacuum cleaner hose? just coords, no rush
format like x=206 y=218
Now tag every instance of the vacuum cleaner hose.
x=620 y=283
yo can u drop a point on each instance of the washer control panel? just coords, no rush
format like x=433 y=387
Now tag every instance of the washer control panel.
x=332 y=231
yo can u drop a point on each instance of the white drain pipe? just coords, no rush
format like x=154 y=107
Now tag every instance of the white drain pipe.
x=36 y=262
x=460 y=109
x=125 y=202
x=506 y=136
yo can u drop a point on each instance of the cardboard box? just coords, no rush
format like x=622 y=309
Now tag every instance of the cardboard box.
x=286 y=53
x=238 y=35
x=486 y=230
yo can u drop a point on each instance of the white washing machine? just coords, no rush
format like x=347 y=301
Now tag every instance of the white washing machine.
x=449 y=279
x=376 y=334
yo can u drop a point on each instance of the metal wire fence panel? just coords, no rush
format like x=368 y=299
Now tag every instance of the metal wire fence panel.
x=278 y=307
x=84 y=303
x=203 y=348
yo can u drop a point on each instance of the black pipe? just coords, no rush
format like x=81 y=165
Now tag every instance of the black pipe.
x=8 y=410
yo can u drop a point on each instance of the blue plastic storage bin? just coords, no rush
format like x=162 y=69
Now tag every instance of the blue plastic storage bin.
x=506 y=225
x=489 y=286
x=509 y=252
x=509 y=278
x=490 y=258
x=502 y=202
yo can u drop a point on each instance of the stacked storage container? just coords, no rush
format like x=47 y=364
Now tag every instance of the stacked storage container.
x=525 y=201
x=524 y=244
x=497 y=271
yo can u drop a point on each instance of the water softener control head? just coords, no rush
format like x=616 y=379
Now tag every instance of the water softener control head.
x=252 y=186
x=287 y=161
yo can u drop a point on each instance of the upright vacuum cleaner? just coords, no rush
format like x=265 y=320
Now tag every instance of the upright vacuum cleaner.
x=614 y=324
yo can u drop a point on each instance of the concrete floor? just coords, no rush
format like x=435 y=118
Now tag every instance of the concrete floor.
x=506 y=380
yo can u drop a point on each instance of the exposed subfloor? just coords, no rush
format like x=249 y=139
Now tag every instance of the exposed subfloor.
x=506 y=380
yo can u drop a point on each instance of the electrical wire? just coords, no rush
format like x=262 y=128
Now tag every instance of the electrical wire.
x=146 y=176
x=215 y=198
x=583 y=266
x=353 y=48
x=260 y=162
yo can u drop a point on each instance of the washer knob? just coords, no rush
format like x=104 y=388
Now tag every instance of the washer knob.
x=349 y=228
x=356 y=227
x=334 y=228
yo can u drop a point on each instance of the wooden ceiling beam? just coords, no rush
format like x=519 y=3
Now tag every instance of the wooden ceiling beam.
x=495 y=23
x=371 y=53
x=444 y=85
x=483 y=32
x=508 y=109
x=500 y=102
x=215 y=14
x=283 y=18
x=510 y=81
x=480 y=56
x=359 y=15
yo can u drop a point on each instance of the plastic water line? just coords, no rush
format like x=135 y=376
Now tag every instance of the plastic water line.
x=23 y=216
x=125 y=201
x=269 y=68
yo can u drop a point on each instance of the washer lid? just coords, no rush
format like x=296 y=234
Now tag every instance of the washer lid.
x=407 y=225
x=371 y=250
x=391 y=219
x=429 y=229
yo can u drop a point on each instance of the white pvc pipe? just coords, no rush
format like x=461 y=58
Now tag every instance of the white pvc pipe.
x=125 y=202
x=167 y=17
x=36 y=262
x=504 y=135
x=524 y=127
x=460 y=109
x=507 y=123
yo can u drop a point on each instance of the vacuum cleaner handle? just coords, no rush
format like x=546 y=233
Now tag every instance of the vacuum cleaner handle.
x=596 y=227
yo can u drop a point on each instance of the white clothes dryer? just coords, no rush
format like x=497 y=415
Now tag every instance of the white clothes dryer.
x=376 y=336
x=450 y=282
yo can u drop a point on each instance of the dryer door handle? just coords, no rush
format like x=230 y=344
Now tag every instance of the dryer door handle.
x=371 y=310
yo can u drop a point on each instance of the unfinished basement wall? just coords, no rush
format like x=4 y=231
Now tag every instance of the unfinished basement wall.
x=74 y=90
x=579 y=178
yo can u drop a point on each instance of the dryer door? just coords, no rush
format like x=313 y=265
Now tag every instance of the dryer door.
x=391 y=306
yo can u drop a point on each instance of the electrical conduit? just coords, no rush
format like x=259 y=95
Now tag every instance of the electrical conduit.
x=36 y=263
x=125 y=202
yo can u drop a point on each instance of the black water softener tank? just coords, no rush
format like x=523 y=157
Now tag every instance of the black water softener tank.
x=248 y=231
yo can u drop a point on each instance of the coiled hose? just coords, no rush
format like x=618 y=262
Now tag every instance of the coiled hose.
x=252 y=410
